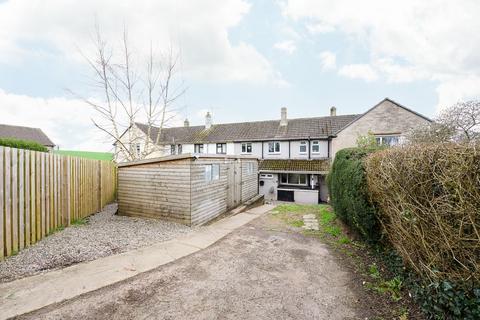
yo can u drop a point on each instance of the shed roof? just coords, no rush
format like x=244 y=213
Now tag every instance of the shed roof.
x=294 y=165
x=182 y=157
x=25 y=133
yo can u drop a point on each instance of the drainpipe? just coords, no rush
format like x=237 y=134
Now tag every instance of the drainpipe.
x=262 y=149
x=289 y=153
x=309 y=148
x=328 y=149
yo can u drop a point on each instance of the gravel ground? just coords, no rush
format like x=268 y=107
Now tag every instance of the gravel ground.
x=104 y=234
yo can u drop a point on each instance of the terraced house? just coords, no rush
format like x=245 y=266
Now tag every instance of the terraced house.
x=295 y=154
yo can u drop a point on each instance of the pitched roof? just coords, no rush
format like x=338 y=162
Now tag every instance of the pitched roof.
x=25 y=133
x=302 y=128
x=294 y=165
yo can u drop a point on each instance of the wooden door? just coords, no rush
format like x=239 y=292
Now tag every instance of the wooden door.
x=234 y=184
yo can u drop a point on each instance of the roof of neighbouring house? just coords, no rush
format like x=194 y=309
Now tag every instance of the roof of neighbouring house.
x=25 y=133
x=294 y=165
x=302 y=128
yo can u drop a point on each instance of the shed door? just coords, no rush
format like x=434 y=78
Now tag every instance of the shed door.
x=234 y=188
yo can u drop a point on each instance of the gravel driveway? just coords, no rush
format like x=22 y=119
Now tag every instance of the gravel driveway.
x=104 y=234
x=260 y=271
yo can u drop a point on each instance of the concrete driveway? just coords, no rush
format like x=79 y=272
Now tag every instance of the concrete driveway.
x=264 y=270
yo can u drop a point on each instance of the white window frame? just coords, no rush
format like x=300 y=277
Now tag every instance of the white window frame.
x=223 y=147
x=173 y=149
x=303 y=144
x=179 y=149
x=293 y=184
x=275 y=144
x=198 y=147
x=315 y=143
x=245 y=146
x=380 y=139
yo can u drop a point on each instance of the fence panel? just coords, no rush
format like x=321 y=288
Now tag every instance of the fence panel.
x=41 y=192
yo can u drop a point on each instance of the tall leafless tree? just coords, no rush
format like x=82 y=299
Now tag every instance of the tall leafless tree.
x=132 y=92
x=458 y=123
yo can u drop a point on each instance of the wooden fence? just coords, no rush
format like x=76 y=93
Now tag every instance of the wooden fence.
x=41 y=192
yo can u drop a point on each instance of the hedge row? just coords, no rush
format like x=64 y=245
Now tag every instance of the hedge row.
x=22 y=144
x=347 y=186
x=425 y=200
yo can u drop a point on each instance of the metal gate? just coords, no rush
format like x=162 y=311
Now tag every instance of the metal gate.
x=234 y=184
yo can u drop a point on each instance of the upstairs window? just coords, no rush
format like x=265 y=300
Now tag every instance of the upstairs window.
x=138 y=149
x=198 y=148
x=274 y=147
x=179 y=148
x=221 y=148
x=315 y=146
x=172 y=149
x=247 y=147
x=387 y=140
x=303 y=147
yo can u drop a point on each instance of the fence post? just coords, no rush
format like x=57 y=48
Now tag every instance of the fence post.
x=2 y=232
x=100 y=205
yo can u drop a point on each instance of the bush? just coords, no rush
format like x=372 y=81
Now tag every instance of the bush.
x=22 y=144
x=349 y=195
x=428 y=200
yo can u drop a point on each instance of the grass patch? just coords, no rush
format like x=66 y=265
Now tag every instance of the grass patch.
x=392 y=287
x=107 y=156
x=297 y=223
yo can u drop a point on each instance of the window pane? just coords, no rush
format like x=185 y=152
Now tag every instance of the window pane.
x=303 y=146
x=208 y=173
x=293 y=178
x=215 y=172
x=303 y=179
x=172 y=149
x=249 y=147
x=284 y=178
x=244 y=147
x=179 y=149
x=271 y=147
x=277 y=146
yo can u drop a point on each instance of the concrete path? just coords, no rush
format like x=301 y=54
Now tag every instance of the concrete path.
x=32 y=293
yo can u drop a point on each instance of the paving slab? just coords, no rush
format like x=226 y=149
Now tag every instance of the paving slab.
x=32 y=293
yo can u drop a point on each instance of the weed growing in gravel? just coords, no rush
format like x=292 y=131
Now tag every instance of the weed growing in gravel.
x=79 y=222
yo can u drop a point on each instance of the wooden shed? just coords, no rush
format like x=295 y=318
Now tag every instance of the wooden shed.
x=189 y=189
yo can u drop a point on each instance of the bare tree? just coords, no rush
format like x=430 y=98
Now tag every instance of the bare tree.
x=130 y=92
x=464 y=119
x=458 y=123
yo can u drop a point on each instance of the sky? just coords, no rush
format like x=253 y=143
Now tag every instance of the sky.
x=242 y=60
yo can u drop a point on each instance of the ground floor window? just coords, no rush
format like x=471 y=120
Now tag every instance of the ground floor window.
x=387 y=140
x=294 y=179
x=212 y=172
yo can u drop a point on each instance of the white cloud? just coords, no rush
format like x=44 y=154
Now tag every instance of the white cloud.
x=320 y=28
x=67 y=122
x=358 y=71
x=198 y=29
x=328 y=60
x=287 y=46
x=407 y=40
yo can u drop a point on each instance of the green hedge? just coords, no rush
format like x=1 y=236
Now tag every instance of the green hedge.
x=22 y=144
x=349 y=195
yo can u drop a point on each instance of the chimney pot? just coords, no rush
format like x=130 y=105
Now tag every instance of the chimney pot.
x=186 y=123
x=333 y=111
x=208 y=120
x=283 y=117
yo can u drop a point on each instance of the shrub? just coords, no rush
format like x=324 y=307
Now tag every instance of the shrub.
x=22 y=144
x=349 y=195
x=428 y=200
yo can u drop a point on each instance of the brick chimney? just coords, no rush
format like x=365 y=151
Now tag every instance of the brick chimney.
x=283 y=117
x=208 y=120
x=186 y=123
x=333 y=111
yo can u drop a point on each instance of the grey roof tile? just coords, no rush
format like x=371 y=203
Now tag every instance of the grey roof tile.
x=302 y=128
x=25 y=133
